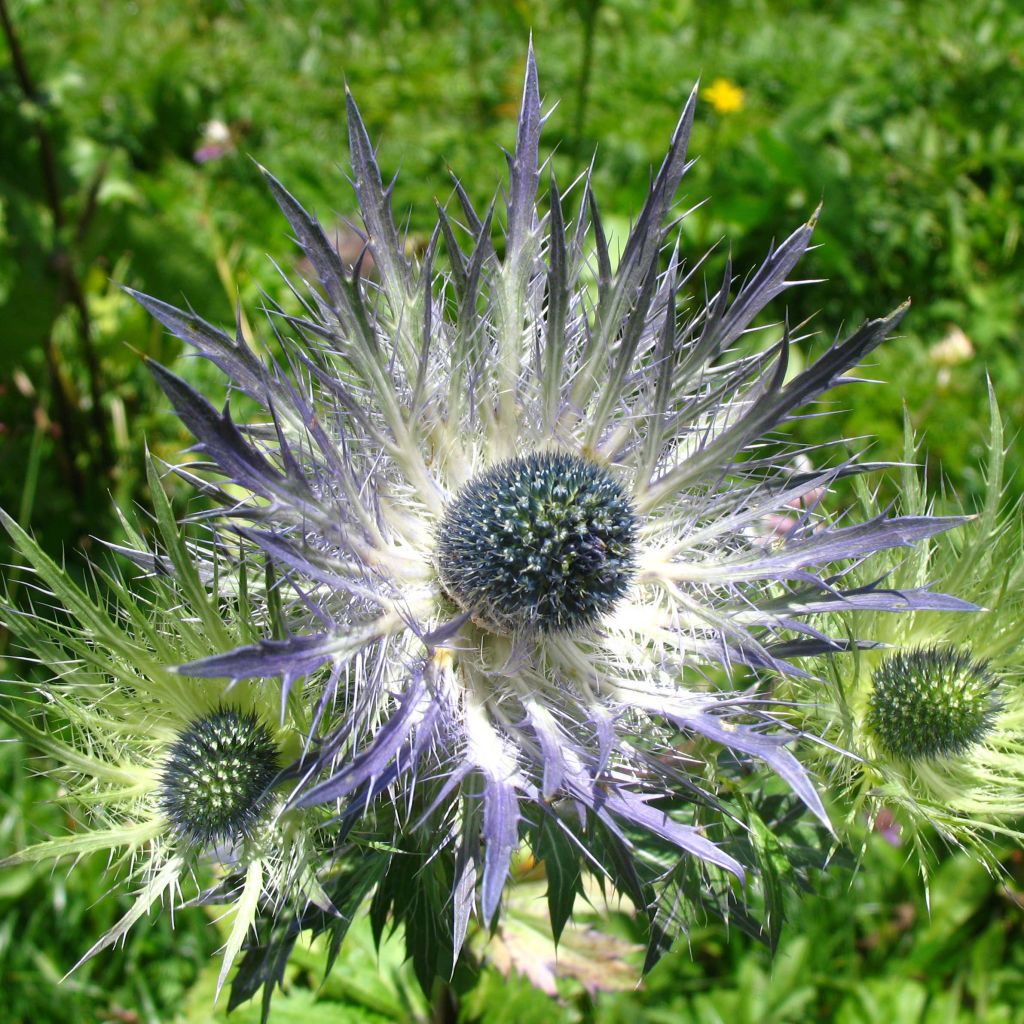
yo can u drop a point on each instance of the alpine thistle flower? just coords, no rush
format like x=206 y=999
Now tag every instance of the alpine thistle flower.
x=935 y=712
x=166 y=776
x=514 y=508
x=540 y=543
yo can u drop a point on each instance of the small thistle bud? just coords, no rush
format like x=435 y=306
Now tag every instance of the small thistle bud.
x=544 y=542
x=932 y=702
x=217 y=776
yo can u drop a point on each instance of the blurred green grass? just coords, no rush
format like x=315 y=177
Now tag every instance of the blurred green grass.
x=49 y=918
x=903 y=117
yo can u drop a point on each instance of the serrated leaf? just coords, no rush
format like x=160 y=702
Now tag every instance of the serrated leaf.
x=562 y=865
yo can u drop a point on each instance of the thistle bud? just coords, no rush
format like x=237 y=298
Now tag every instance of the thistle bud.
x=217 y=777
x=930 y=702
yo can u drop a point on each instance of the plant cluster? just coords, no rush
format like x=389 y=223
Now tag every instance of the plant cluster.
x=515 y=557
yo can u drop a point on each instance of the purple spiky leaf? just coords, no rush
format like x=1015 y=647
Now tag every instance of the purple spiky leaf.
x=375 y=204
x=524 y=169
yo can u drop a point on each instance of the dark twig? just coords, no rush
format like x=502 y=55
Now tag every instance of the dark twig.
x=64 y=419
x=588 y=13
x=91 y=203
x=61 y=260
x=444 y=1007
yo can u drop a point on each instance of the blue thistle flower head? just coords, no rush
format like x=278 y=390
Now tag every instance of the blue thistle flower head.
x=516 y=506
x=543 y=542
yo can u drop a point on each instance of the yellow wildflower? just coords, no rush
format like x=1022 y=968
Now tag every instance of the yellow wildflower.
x=725 y=96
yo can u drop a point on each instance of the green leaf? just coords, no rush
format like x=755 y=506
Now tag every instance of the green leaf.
x=245 y=917
x=562 y=865
x=89 y=841
x=83 y=606
x=185 y=572
x=68 y=756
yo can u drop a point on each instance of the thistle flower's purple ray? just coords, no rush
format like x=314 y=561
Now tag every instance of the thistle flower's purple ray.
x=759 y=656
x=604 y=262
x=375 y=204
x=836 y=545
x=432 y=315
x=440 y=635
x=665 y=357
x=463 y=891
x=318 y=566
x=474 y=270
x=776 y=404
x=606 y=797
x=629 y=335
x=550 y=367
x=719 y=389
x=376 y=759
x=405 y=761
x=456 y=257
x=297 y=655
x=220 y=438
x=636 y=809
x=501 y=839
x=727 y=321
x=324 y=751
x=639 y=259
x=524 y=170
x=324 y=257
x=645 y=239
x=759 y=501
x=552 y=741
x=733 y=643
x=609 y=800
x=473 y=222
x=742 y=650
x=350 y=401
x=603 y=724
x=870 y=598
x=149 y=561
x=748 y=740
x=234 y=358
x=822 y=645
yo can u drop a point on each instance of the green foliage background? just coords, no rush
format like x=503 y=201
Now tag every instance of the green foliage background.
x=904 y=117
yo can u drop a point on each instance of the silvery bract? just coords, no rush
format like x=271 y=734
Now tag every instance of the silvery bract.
x=521 y=515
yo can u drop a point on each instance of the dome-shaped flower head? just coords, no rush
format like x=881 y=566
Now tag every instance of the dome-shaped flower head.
x=517 y=501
